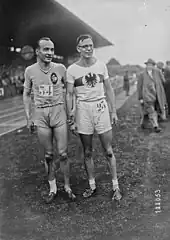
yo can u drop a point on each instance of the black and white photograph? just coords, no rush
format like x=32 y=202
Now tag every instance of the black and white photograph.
x=84 y=119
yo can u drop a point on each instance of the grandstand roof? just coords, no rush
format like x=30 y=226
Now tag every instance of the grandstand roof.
x=23 y=22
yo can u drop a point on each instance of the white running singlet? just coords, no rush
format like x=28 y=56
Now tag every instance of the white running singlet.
x=88 y=81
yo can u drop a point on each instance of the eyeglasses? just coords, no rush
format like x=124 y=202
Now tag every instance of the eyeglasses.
x=86 y=46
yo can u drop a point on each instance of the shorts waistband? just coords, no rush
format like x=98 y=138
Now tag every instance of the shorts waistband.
x=50 y=105
x=93 y=101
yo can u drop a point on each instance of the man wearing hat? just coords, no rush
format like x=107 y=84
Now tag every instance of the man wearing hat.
x=160 y=66
x=151 y=94
x=167 y=83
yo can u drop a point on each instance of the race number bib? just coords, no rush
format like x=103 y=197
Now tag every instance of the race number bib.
x=101 y=106
x=46 y=90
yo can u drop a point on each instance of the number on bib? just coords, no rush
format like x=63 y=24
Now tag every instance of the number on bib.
x=46 y=90
x=101 y=106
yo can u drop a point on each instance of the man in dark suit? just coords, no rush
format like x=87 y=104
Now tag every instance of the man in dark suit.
x=167 y=83
x=151 y=94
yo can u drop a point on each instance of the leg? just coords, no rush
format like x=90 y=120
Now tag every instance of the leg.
x=144 y=116
x=127 y=91
x=104 y=130
x=163 y=114
x=128 y=88
x=61 y=137
x=85 y=128
x=153 y=117
x=144 y=119
x=46 y=139
x=86 y=141
x=106 y=141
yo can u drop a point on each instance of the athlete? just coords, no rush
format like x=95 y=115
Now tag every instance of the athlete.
x=88 y=79
x=46 y=78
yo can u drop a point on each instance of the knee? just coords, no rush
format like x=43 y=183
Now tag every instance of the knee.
x=87 y=153
x=109 y=153
x=63 y=157
x=48 y=157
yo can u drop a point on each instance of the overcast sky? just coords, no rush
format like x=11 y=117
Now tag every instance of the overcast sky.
x=140 y=29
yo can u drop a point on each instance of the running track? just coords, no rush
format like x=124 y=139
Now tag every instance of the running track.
x=12 y=114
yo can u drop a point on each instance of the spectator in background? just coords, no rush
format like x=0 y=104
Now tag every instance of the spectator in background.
x=1 y=85
x=167 y=71
x=160 y=66
x=6 y=84
x=126 y=85
x=19 y=85
x=151 y=95
x=167 y=83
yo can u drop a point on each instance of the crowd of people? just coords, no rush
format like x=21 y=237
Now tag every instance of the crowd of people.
x=153 y=93
x=165 y=69
x=11 y=80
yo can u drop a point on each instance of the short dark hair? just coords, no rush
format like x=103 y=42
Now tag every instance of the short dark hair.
x=41 y=39
x=83 y=37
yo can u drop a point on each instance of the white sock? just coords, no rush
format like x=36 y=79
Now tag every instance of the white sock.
x=115 y=184
x=53 y=186
x=92 y=184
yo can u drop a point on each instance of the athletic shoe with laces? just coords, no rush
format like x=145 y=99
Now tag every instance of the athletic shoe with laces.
x=157 y=129
x=116 y=195
x=70 y=195
x=50 y=197
x=89 y=192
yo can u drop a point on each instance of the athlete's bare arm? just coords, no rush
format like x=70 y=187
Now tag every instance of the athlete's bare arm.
x=27 y=96
x=70 y=94
x=27 y=103
x=110 y=95
x=70 y=98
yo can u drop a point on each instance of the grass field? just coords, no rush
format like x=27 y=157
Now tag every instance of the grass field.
x=143 y=167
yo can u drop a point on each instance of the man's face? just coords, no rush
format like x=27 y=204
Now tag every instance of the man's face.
x=45 y=51
x=149 y=66
x=86 y=48
x=168 y=65
x=160 y=66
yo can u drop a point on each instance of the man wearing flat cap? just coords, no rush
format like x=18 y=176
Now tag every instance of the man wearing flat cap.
x=151 y=95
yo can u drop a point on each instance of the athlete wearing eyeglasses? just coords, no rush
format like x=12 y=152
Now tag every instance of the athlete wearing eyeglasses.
x=89 y=79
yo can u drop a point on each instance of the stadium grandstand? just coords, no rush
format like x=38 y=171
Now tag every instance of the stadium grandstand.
x=22 y=23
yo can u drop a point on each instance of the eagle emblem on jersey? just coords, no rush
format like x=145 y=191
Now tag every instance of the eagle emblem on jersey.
x=54 y=78
x=91 y=79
